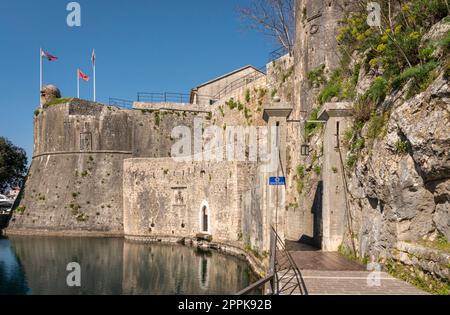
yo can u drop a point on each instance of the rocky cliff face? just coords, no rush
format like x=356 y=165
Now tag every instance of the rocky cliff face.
x=397 y=162
x=404 y=196
x=399 y=182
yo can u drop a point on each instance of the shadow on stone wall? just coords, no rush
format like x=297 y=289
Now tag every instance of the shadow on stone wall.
x=316 y=210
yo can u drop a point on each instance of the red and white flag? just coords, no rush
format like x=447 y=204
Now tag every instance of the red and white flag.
x=47 y=56
x=83 y=76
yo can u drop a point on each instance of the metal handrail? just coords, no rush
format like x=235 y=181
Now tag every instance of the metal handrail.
x=245 y=80
x=118 y=102
x=170 y=97
x=294 y=282
x=256 y=285
x=279 y=273
x=278 y=53
x=166 y=97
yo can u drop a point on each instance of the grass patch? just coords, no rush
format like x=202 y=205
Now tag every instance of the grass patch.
x=157 y=118
x=75 y=208
x=377 y=91
x=318 y=170
x=350 y=255
x=401 y=147
x=377 y=124
x=301 y=174
x=317 y=75
x=418 y=279
x=313 y=127
x=330 y=91
x=287 y=74
x=351 y=161
x=21 y=210
x=421 y=76
x=57 y=101
x=248 y=96
x=440 y=244
x=359 y=144
x=232 y=104
x=249 y=249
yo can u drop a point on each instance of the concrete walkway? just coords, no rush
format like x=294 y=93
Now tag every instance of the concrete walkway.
x=355 y=283
x=326 y=273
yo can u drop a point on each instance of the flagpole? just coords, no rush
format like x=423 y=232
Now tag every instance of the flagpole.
x=78 y=83
x=40 y=75
x=93 y=65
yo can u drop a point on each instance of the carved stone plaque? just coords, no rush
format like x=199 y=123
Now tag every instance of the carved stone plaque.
x=85 y=141
x=179 y=196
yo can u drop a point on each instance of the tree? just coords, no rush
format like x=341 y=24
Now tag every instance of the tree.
x=274 y=18
x=13 y=165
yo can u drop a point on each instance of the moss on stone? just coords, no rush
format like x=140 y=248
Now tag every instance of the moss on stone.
x=58 y=101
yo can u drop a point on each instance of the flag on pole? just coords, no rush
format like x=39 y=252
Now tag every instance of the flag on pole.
x=48 y=56
x=83 y=76
x=80 y=75
x=43 y=54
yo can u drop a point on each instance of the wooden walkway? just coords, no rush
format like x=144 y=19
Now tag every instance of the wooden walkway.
x=329 y=273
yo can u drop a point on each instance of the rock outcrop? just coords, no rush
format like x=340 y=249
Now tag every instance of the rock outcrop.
x=405 y=196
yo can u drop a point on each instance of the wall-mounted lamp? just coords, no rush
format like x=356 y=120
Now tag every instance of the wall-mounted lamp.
x=305 y=150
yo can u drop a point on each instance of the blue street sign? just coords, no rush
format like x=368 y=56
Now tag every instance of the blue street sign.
x=277 y=181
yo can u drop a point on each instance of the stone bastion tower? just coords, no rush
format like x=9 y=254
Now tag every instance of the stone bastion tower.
x=72 y=185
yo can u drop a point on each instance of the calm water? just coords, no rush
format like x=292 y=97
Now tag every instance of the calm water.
x=31 y=265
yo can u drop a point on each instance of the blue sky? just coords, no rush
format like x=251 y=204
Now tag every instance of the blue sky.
x=141 y=45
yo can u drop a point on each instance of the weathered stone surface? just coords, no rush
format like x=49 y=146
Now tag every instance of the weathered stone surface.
x=49 y=93
x=436 y=33
x=424 y=122
x=405 y=196
x=163 y=198
x=432 y=261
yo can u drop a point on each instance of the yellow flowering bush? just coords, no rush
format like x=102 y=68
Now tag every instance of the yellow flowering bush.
x=414 y=35
x=381 y=48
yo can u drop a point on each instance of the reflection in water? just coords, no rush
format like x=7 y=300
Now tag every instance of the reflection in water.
x=12 y=276
x=31 y=265
x=204 y=273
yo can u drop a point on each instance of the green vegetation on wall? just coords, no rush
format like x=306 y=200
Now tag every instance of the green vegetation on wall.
x=396 y=54
x=301 y=174
x=58 y=101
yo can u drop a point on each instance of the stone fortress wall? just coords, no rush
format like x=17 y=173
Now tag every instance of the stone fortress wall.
x=180 y=201
x=103 y=170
